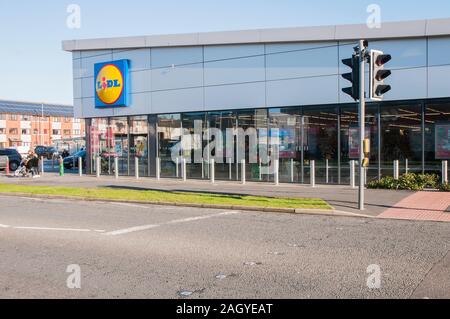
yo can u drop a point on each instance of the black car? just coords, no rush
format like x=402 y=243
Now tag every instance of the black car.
x=14 y=158
x=72 y=161
x=45 y=151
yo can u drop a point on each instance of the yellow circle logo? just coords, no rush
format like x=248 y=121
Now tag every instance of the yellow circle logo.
x=109 y=84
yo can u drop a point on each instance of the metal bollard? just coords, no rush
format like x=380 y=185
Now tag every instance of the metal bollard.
x=327 y=171
x=212 y=172
x=276 y=175
x=243 y=172
x=406 y=166
x=313 y=173
x=158 y=168
x=116 y=167
x=444 y=172
x=136 y=167
x=260 y=169
x=42 y=166
x=396 y=170
x=97 y=166
x=292 y=170
x=230 y=165
x=184 y=170
x=352 y=174
x=177 y=163
x=203 y=168
x=7 y=166
x=80 y=166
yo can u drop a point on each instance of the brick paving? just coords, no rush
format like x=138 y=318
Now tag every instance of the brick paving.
x=430 y=206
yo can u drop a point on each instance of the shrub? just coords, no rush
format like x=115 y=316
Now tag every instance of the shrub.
x=444 y=187
x=428 y=180
x=411 y=181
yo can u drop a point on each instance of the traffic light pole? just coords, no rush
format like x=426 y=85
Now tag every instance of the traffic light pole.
x=362 y=120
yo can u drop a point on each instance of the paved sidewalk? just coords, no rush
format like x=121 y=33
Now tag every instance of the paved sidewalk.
x=421 y=206
x=342 y=198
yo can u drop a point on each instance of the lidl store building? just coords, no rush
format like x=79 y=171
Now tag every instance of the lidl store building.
x=138 y=94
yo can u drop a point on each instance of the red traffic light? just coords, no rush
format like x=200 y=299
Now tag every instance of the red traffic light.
x=383 y=59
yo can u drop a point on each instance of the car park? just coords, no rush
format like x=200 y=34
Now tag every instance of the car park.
x=71 y=162
x=47 y=152
x=13 y=156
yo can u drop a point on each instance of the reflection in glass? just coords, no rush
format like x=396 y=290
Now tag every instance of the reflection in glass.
x=119 y=149
x=320 y=143
x=437 y=136
x=169 y=135
x=288 y=121
x=139 y=144
x=401 y=138
x=350 y=141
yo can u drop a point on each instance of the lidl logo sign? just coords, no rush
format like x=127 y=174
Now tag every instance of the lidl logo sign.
x=111 y=84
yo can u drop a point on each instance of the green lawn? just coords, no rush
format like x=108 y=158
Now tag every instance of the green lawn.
x=168 y=196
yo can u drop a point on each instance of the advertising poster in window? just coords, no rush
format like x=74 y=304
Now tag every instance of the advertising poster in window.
x=353 y=141
x=287 y=143
x=442 y=141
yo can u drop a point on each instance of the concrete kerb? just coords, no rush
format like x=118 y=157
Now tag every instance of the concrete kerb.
x=331 y=212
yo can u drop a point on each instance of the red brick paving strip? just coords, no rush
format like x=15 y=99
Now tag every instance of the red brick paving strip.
x=421 y=206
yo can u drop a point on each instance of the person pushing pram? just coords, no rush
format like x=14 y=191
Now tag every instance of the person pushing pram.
x=30 y=164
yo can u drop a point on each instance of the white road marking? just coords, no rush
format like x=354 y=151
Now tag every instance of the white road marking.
x=176 y=221
x=53 y=229
x=4 y=226
x=131 y=230
x=192 y=219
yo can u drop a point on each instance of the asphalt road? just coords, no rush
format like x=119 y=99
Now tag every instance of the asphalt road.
x=143 y=251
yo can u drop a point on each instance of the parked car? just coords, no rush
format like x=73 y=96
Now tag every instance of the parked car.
x=13 y=156
x=72 y=161
x=46 y=151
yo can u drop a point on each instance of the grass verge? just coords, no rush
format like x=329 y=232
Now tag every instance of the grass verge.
x=169 y=197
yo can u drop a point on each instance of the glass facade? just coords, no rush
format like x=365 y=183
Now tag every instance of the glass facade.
x=417 y=133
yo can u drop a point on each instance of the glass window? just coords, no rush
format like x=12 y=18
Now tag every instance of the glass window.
x=139 y=144
x=437 y=136
x=169 y=135
x=350 y=140
x=13 y=117
x=195 y=168
x=119 y=128
x=401 y=138
x=223 y=121
x=13 y=131
x=288 y=121
x=2 y=130
x=2 y=116
x=101 y=142
x=320 y=134
x=248 y=148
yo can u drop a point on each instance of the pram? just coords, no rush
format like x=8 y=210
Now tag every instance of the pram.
x=27 y=166
x=22 y=170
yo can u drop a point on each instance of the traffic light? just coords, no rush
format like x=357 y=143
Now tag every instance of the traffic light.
x=378 y=74
x=353 y=77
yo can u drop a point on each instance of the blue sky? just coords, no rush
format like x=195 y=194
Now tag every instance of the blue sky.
x=34 y=68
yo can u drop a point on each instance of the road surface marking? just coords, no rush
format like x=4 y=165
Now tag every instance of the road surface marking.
x=4 y=226
x=176 y=221
x=131 y=230
x=53 y=229
x=192 y=219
